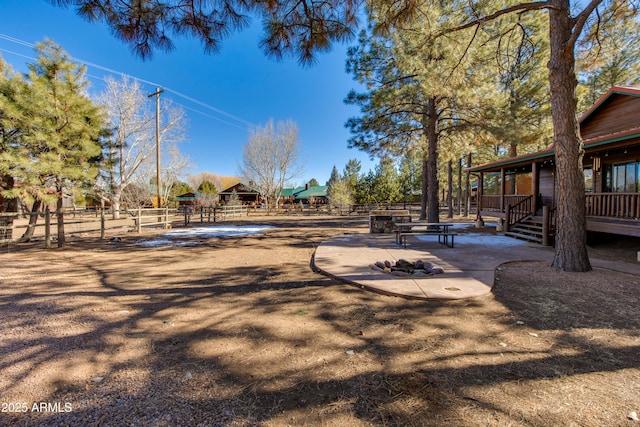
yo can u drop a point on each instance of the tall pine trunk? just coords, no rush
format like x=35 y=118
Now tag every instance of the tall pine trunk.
x=425 y=185
x=571 y=236
x=60 y=216
x=467 y=188
x=450 y=189
x=433 y=205
x=459 y=193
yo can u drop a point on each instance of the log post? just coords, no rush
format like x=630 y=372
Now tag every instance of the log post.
x=545 y=226
x=47 y=227
x=102 y=223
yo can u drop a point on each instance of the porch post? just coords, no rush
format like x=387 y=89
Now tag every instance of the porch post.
x=502 y=188
x=479 y=196
x=546 y=241
x=535 y=186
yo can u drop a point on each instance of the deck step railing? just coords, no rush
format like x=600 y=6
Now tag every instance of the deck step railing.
x=515 y=213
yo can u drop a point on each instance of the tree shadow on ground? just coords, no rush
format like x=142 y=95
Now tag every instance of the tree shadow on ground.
x=205 y=339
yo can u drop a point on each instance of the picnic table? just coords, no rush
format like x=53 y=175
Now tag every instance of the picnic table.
x=440 y=229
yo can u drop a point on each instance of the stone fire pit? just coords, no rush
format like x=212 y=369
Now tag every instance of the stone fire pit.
x=404 y=268
x=383 y=220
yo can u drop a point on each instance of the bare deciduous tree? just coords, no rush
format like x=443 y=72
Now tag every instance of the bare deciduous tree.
x=173 y=163
x=133 y=143
x=195 y=180
x=270 y=158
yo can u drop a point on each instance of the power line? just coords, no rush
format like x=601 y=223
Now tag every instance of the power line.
x=210 y=116
x=246 y=123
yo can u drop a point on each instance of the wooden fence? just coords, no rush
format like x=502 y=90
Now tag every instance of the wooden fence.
x=13 y=225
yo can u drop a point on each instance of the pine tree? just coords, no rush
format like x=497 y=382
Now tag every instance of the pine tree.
x=417 y=94
x=410 y=176
x=609 y=55
x=299 y=28
x=207 y=187
x=386 y=185
x=333 y=179
x=351 y=173
x=64 y=129
x=520 y=115
x=10 y=151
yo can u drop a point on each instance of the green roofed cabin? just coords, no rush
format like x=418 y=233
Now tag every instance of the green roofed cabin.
x=316 y=193
x=518 y=188
x=188 y=199
x=309 y=194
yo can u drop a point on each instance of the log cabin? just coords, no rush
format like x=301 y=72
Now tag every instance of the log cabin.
x=521 y=190
x=247 y=194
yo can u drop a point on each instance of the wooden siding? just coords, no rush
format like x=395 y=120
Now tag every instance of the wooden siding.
x=523 y=183
x=617 y=114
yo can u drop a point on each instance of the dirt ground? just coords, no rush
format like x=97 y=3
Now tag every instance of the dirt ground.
x=242 y=332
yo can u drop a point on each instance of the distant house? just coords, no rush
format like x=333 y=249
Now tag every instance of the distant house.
x=188 y=199
x=307 y=194
x=247 y=194
x=610 y=130
x=288 y=195
x=312 y=194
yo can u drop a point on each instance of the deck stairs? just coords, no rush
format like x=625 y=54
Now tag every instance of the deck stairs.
x=529 y=229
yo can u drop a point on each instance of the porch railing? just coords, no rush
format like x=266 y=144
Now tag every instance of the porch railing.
x=493 y=203
x=490 y=203
x=613 y=205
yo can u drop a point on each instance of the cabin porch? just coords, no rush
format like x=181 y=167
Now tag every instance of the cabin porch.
x=614 y=213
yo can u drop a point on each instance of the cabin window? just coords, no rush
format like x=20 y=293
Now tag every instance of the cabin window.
x=588 y=179
x=623 y=177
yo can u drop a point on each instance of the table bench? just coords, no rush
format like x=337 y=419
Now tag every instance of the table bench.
x=440 y=229
x=443 y=238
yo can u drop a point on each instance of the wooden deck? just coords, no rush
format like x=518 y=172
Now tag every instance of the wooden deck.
x=614 y=213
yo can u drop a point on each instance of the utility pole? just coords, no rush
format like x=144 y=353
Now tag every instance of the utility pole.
x=159 y=188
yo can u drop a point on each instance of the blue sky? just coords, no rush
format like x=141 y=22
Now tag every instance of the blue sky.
x=241 y=85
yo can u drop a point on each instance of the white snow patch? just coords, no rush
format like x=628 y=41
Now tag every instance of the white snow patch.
x=459 y=225
x=218 y=231
x=488 y=240
x=166 y=239
x=497 y=240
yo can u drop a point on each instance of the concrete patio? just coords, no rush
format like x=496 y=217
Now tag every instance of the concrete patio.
x=469 y=268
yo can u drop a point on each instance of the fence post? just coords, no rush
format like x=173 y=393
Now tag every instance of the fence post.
x=507 y=217
x=185 y=215
x=139 y=220
x=47 y=228
x=545 y=226
x=102 y=223
x=201 y=214
x=166 y=217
